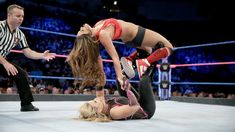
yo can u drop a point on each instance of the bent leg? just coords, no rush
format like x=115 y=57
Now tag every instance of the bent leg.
x=147 y=98
x=22 y=84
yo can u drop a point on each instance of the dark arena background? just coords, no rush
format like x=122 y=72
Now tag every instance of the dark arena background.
x=199 y=94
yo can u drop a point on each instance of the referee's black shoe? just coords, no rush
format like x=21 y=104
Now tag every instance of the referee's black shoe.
x=28 y=107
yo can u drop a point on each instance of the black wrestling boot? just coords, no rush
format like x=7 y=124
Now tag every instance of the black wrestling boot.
x=28 y=107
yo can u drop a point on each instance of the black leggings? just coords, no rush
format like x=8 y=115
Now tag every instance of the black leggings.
x=147 y=98
x=22 y=84
x=144 y=95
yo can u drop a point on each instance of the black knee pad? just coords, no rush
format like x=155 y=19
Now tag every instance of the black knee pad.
x=142 y=53
x=161 y=45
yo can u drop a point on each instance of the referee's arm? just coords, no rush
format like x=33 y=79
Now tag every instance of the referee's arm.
x=11 y=70
x=36 y=55
x=2 y=60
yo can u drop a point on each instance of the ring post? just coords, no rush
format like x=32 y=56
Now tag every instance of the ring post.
x=164 y=87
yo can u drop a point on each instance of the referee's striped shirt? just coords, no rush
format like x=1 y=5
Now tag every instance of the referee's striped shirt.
x=8 y=39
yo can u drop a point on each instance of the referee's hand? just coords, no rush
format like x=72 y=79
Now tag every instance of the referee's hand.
x=48 y=56
x=11 y=70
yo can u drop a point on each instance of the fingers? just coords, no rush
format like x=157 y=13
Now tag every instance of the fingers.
x=120 y=81
x=11 y=70
x=47 y=51
x=124 y=83
x=48 y=59
x=49 y=56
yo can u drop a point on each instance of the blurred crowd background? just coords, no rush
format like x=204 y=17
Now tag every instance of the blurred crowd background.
x=182 y=22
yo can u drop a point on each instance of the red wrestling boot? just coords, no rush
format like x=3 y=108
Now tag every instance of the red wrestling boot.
x=142 y=65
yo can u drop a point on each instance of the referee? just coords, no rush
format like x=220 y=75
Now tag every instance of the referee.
x=10 y=36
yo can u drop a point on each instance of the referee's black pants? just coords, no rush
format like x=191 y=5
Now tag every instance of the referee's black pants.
x=22 y=84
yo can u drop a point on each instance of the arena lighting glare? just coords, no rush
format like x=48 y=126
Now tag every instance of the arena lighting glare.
x=115 y=2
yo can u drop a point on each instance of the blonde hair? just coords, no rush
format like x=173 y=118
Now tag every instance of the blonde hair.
x=13 y=6
x=83 y=60
x=89 y=113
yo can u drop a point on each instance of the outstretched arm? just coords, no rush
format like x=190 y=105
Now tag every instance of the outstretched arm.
x=35 y=55
x=106 y=41
x=99 y=92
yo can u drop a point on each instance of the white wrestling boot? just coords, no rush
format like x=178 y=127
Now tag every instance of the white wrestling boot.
x=127 y=67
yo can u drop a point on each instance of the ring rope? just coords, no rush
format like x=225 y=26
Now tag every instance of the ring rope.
x=135 y=81
x=203 y=45
x=172 y=65
x=202 y=64
x=59 y=56
x=202 y=83
x=71 y=78
x=46 y=31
